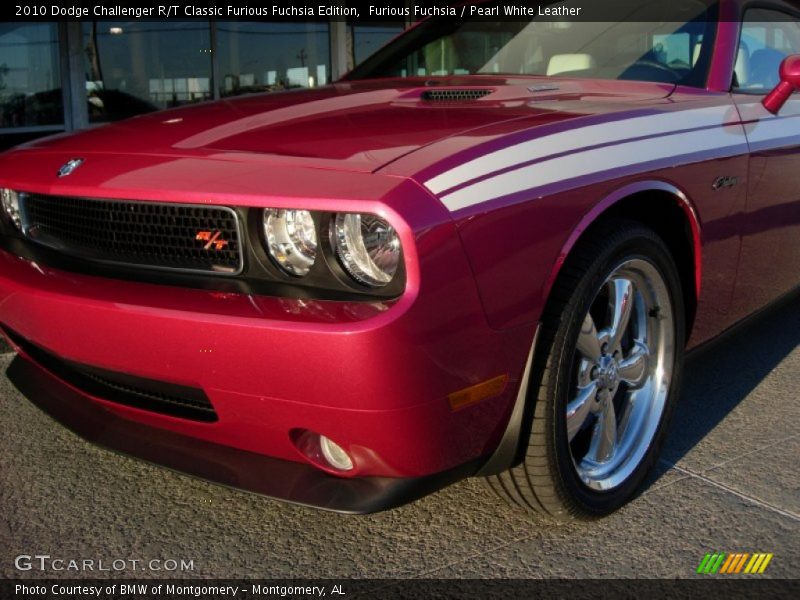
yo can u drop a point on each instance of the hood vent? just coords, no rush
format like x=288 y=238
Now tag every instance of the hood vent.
x=450 y=95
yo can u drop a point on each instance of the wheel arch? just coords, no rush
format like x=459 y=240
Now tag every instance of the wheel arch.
x=667 y=210
x=659 y=205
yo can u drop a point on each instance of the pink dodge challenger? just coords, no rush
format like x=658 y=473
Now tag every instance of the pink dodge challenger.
x=483 y=252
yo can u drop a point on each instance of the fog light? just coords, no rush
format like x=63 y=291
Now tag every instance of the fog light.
x=335 y=454
x=10 y=200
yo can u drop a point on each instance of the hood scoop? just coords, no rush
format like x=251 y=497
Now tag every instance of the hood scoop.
x=454 y=95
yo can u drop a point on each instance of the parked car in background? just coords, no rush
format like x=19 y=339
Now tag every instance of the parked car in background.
x=483 y=252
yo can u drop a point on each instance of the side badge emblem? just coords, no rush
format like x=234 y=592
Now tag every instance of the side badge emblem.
x=69 y=167
x=724 y=182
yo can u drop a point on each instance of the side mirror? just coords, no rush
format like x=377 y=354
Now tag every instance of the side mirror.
x=790 y=81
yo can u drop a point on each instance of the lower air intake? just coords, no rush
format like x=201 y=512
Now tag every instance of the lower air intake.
x=121 y=388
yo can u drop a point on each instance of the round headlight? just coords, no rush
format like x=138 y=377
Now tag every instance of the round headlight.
x=10 y=200
x=291 y=239
x=367 y=246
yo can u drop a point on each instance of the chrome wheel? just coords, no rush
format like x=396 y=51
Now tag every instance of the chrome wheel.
x=621 y=372
x=604 y=375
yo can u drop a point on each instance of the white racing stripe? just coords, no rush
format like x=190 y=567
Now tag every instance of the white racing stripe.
x=771 y=131
x=668 y=135
x=579 y=138
x=728 y=142
x=775 y=132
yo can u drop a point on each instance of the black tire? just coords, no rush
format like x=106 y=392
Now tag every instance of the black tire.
x=547 y=480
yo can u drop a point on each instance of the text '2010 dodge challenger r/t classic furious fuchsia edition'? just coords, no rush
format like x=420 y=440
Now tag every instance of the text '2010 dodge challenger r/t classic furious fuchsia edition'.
x=482 y=252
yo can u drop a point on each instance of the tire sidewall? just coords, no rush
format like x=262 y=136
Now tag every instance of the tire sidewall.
x=640 y=244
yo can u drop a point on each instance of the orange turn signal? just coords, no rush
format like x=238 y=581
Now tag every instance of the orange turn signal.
x=477 y=393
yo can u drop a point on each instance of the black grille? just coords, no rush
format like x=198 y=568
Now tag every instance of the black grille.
x=121 y=388
x=182 y=237
x=454 y=95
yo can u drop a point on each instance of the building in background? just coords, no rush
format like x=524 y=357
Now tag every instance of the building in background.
x=65 y=76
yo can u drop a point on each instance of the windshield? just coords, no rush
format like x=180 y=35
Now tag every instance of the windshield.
x=647 y=49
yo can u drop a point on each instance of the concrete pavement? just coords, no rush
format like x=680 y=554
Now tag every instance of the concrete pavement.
x=728 y=482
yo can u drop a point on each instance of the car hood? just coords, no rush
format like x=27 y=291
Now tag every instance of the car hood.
x=355 y=126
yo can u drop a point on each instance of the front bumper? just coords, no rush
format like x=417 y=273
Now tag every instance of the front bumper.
x=284 y=480
x=375 y=378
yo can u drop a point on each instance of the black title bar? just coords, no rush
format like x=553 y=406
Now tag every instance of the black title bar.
x=409 y=10
x=348 y=589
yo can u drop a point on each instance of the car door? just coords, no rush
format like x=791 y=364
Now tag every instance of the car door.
x=770 y=255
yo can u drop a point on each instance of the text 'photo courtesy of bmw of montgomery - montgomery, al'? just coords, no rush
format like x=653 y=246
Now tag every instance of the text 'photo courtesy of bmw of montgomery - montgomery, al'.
x=482 y=252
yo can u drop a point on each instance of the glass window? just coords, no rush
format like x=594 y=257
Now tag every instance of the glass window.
x=368 y=37
x=264 y=56
x=768 y=37
x=640 y=50
x=137 y=67
x=30 y=82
